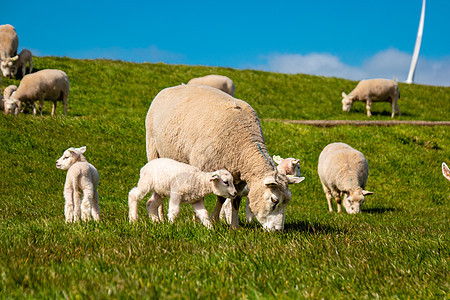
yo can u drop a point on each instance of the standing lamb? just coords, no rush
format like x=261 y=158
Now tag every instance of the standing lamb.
x=204 y=127
x=82 y=177
x=182 y=183
x=216 y=81
x=9 y=41
x=24 y=58
x=343 y=171
x=373 y=90
x=51 y=85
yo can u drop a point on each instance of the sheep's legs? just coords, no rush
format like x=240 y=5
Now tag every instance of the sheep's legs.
x=337 y=196
x=134 y=196
x=368 y=106
x=219 y=203
x=161 y=212
x=152 y=206
x=68 y=207
x=235 y=212
x=329 y=197
x=174 y=206
x=86 y=204
x=202 y=213
x=95 y=210
x=53 y=108
x=77 y=205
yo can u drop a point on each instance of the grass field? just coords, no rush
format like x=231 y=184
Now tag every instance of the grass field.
x=398 y=247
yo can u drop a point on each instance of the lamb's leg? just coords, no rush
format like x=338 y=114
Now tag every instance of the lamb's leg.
x=174 y=206
x=368 y=106
x=152 y=206
x=337 y=196
x=134 y=196
x=54 y=107
x=95 y=207
x=86 y=203
x=68 y=206
x=202 y=213
x=235 y=212
x=225 y=212
x=31 y=64
x=248 y=213
x=77 y=205
x=215 y=214
x=329 y=197
x=161 y=212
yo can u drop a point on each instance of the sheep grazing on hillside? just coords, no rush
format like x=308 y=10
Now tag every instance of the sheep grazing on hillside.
x=50 y=85
x=9 y=41
x=445 y=171
x=373 y=90
x=82 y=177
x=216 y=81
x=181 y=182
x=343 y=172
x=207 y=128
x=25 y=57
x=288 y=166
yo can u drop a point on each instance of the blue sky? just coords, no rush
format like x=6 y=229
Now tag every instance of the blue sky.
x=348 y=39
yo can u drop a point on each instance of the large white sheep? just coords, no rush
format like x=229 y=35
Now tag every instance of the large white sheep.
x=82 y=177
x=216 y=81
x=209 y=129
x=373 y=90
x=49 y=84
x=343 y=172
x=9 y=41
x=288 y=166
x=25 y=57
x=182 y=183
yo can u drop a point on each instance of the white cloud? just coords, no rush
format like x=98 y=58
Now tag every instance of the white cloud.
x=390 y=63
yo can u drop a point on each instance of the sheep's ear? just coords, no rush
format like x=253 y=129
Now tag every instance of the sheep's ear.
x=82 y=149
x=295 y=161
x=367 y=193
x=214 y=177
x=294 y=179
x=344 y=95
x=270 y=182
x=277 y=159
x=445 y=171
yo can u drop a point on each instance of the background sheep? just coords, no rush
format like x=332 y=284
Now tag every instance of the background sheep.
x=373 y=90
x=24 y=58
x=216 y=81
x=343 y=171
x=9 y=41
x=182 y=183
x=51 y=85
x=82 y=177
x=211 y=130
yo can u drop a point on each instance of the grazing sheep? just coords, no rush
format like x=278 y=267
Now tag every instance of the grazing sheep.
x=287 y=166
x=50 y=85
x=209 y=129
x=24 y=58
x=373 y=90
x=82 y=177
x=9 y=41
x=9 y=90
x=445 y=171
x=343 y=171
x=182 y=183
x=216 y=81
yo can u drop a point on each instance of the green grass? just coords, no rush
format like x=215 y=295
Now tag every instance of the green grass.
x=398 y=247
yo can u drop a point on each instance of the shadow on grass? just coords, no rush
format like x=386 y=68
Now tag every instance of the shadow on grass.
x=379 y=210
x=313 y=228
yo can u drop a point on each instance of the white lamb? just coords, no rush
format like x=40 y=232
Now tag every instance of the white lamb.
x=24 y=57
x=182 y=183
x=216 y=81
x=373 y=90
x=287 y=166
x=343 y=172
x=82 y=177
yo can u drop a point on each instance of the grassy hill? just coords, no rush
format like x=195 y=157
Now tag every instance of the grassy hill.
x=397 y=247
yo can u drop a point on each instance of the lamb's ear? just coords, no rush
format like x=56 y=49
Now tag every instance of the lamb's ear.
x=82 y=149
x=214 y=177
x=295 y=161
x=294 y=179
x=270 y=181
x=277 y=159
x=367 y=193
x=344 y=95
x=445 y=171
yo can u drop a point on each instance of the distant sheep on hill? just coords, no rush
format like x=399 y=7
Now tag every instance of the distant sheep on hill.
x=25 y=57
x=9 y=41
x=216 y=81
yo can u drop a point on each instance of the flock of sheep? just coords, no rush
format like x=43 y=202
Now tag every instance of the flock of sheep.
x=190 y=156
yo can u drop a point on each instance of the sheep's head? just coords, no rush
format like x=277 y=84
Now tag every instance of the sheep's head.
x=69 y=157
x=11 y=106
x=7 y=64
x=222 y=184
x=347 y=102
x=354 y=199
x=268 y=198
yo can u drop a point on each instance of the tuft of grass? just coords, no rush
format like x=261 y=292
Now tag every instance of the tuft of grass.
x=398 y=247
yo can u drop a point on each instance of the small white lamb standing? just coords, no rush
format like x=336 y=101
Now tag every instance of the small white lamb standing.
x=216 y=81
x=82 y=177
x=24 y=57
x=182 y=183
x=343 y=172
x=373 y=90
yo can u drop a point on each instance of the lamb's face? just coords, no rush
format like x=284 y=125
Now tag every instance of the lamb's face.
x=70 y=156
x=11 y=107
x=347 y=102
x=222 y=183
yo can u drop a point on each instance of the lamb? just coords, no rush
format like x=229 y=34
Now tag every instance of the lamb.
x=182 y=183
x=216 y=81
x=287 y=166
x=49 y=84
x=24 y=57
x=81 y=177
x=373 y=90
x=9 y=41
x=179 y=126
x=343 y=171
